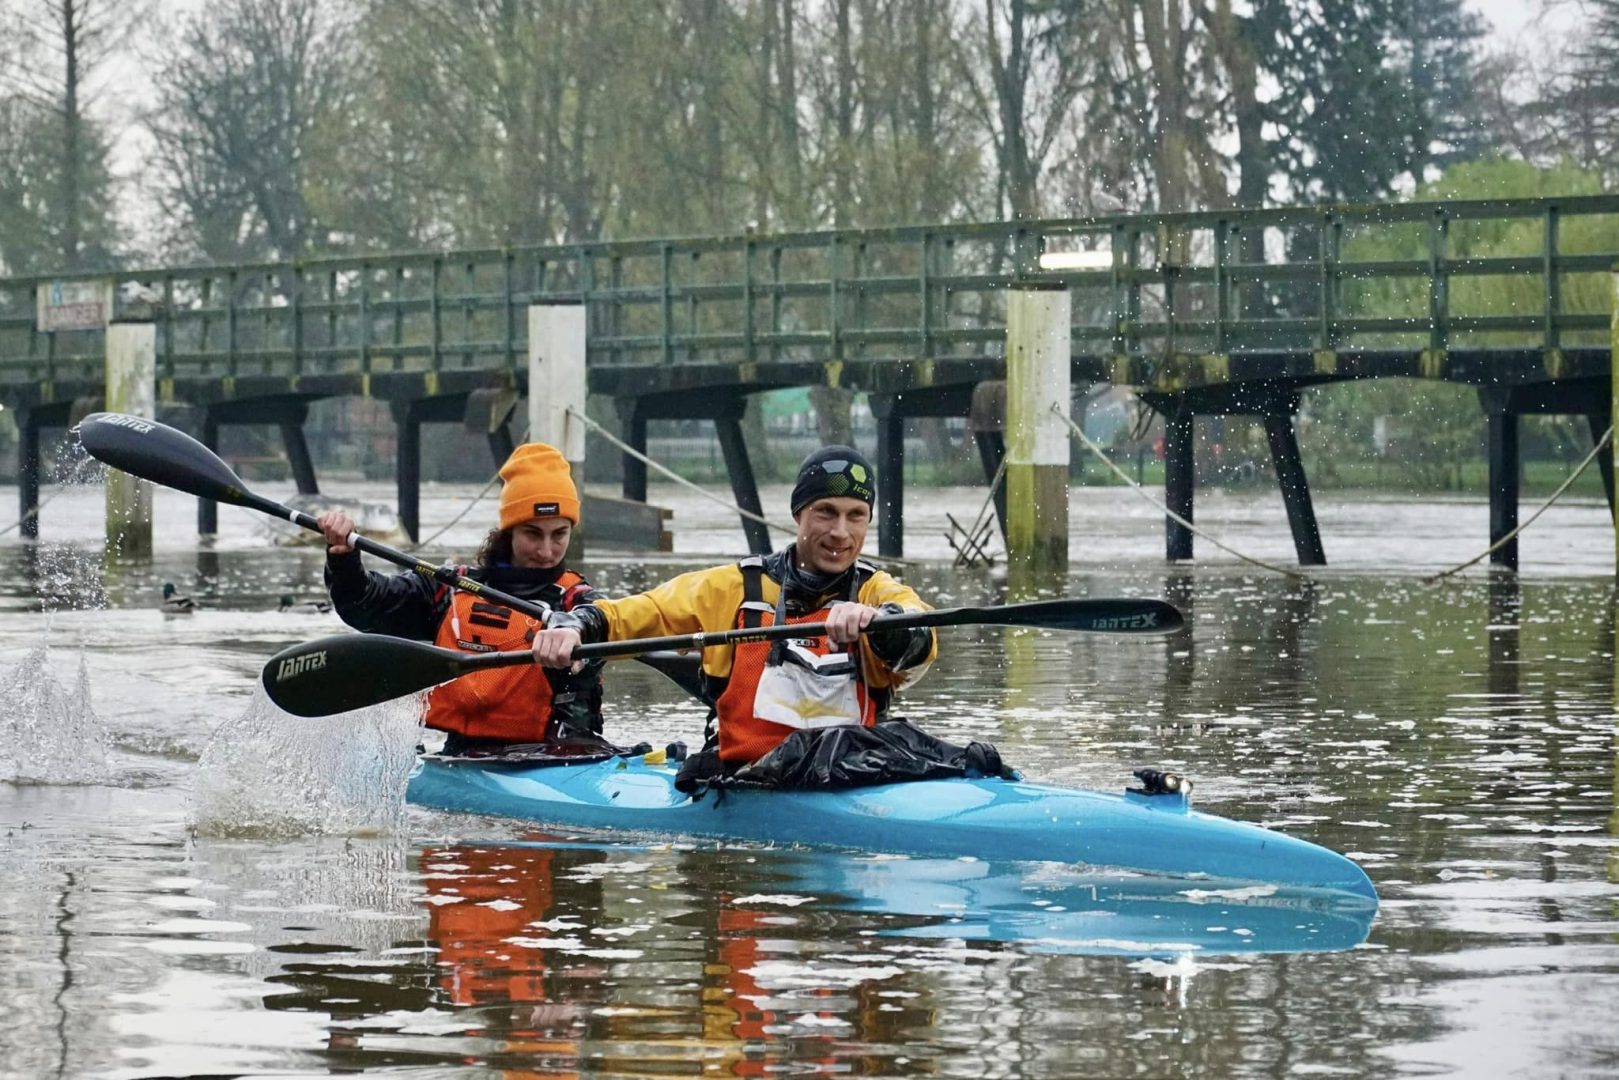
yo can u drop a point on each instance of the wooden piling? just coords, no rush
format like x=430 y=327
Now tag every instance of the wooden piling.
x=131 y=388
x=1038 y=347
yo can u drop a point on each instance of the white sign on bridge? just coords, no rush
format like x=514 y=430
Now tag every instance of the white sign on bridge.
x=73 y=305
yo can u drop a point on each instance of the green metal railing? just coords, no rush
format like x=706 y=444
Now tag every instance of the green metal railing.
x=1512 y=274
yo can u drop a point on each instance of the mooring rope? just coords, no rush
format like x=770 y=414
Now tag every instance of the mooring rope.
x=1091 y=445
x=467 y=509
x=33 y=512
x=1564 y=486
x=792 y=529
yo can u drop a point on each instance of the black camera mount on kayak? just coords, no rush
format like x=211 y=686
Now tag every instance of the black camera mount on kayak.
x=1161 y=782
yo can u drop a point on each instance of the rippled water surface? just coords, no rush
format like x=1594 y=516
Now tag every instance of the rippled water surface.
x=200 y=885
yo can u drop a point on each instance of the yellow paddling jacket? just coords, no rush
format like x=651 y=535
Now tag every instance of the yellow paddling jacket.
x=817 y=685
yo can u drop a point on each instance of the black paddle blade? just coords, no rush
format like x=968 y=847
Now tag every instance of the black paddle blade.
x=350 y=671
x=1105 y=616
x=1125 y=616
x=159 y=453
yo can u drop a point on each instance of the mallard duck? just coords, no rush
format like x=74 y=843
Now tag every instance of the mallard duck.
x=176 y=603
x=311 y=606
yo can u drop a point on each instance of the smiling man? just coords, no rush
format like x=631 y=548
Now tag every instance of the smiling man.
x=764 y=692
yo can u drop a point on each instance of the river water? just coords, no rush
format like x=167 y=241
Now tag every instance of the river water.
x=199 y=885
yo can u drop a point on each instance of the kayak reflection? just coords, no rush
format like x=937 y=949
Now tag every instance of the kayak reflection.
x=1048 y=907
x=543 y=956
x=1044 y=907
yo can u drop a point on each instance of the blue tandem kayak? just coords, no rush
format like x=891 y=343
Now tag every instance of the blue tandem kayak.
x=985 y=819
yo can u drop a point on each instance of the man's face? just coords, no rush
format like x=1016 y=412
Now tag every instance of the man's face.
x=831 y=532
x=540 y=544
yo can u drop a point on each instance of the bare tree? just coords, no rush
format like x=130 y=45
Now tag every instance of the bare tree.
x=242 y=104
x=1025 y=69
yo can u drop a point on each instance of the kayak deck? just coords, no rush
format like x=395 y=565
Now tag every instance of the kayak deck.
x=988 y=819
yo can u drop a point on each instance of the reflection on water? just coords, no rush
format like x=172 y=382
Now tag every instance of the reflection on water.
x=554 y=956
x=1458 y=740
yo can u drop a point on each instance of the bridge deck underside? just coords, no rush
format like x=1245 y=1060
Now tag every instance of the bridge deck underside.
x=1249 y=382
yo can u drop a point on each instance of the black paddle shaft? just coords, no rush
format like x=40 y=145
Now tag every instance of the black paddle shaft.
x=350 y=671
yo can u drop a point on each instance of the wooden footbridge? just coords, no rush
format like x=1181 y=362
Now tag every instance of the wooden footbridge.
x=1222 y=312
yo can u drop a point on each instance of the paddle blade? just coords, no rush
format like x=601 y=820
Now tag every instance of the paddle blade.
x=1124 y=616
x=351 y=671
x=159 y=453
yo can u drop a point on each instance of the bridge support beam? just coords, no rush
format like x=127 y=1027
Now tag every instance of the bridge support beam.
x=1502 y=443
x=297 y=447
x=408 y=465
x=743 y=487
x=1179 y=476
x=634 y=420
x=1284 y=453
x=1598 y=423
x=987 y=420
x=891 y=410
x=28 y=425
x=725 y=406
x=207 y=509
x=890 y=475
x=489 y=413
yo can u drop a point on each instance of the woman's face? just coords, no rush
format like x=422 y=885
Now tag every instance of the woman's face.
x=542 y=543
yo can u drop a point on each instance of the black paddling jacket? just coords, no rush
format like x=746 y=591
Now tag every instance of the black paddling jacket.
x=409 y=605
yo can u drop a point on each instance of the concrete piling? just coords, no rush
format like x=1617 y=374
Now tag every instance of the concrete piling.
x=556 y=385
x=131 y=373
x=1038 y=380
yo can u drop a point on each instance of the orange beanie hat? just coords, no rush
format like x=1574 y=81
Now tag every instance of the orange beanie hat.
x=538 y=484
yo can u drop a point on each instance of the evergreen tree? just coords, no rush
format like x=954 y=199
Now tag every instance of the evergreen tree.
x=1445 y=61
x=56 y=184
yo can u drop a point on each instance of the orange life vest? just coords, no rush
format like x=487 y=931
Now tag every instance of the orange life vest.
x=777 y=687
x=510 y=704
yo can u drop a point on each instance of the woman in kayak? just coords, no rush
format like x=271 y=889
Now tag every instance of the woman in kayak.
x=764 y=694
x=522 y=556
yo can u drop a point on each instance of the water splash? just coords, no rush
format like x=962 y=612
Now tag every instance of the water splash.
x=269 y=775
x=48 y=734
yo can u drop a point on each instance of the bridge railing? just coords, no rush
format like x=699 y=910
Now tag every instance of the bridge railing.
x=1508 y=274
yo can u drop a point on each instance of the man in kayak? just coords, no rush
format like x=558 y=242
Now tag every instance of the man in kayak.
x=522 y=556
x=782 y=698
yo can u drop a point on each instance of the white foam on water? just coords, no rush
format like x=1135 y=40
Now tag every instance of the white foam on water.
x=49 y=734
x=266 y=774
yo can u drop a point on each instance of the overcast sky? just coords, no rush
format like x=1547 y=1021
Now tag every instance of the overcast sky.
x=1513 y=17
